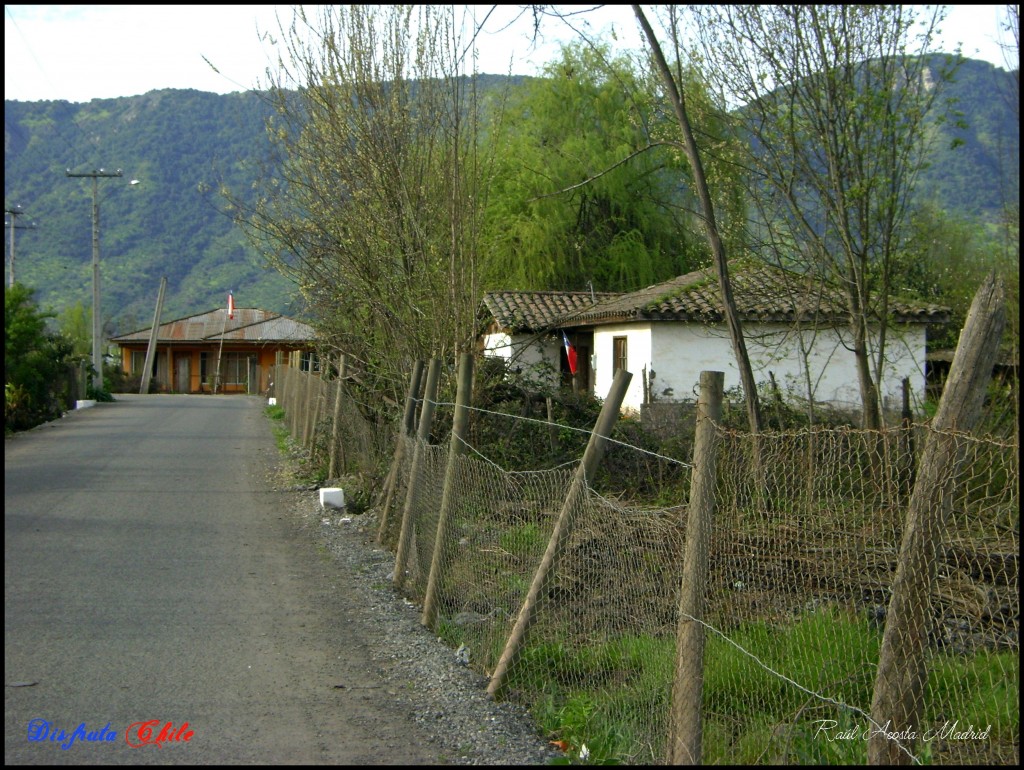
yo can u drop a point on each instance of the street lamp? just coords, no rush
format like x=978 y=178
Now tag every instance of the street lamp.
x=97 y=324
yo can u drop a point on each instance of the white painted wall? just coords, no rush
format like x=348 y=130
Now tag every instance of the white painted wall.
x=681 y=351
x=525 y=351
x=676 y=353
x=638 y=356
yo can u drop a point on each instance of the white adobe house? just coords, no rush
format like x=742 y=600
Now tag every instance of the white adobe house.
x=796 y=333
x=525 y=328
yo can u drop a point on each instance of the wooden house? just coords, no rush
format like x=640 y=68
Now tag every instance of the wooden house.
x=189 y=351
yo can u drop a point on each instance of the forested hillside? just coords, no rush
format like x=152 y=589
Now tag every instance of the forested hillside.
x=183 y=146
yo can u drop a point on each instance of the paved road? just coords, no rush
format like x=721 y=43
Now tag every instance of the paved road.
x=151 y=572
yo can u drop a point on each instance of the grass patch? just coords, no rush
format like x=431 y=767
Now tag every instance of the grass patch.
x=276 y=415
x=614 y=696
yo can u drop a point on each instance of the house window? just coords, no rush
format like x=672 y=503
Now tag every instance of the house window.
x=618 y=354
x=234 y=369
x=309 y=362
x=139 y=362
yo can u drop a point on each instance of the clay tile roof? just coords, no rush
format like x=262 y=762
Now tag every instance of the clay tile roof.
x=761 y=292
x=534 y=311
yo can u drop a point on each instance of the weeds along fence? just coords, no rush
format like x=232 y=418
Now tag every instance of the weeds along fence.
x=321 y=415
x=800 y=564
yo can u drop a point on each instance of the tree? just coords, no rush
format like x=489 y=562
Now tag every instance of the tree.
x=373 y=204
x=35 y=363
x=673 y=83
x=584 y=195
x=834 y=103
x=75 y=323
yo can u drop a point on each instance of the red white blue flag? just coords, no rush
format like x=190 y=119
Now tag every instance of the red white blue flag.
x=231 y=305
x=570 y=353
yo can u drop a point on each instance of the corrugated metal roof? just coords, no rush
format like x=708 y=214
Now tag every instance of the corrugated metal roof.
x=249 y=325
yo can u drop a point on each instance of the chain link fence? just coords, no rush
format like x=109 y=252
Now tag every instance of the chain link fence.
x=801 y=560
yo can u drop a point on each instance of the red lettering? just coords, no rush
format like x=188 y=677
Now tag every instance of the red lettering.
x=142 y=734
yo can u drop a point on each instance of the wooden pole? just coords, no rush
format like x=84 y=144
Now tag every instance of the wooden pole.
x=307 y=413
x=314 y=420
x=406 y=429
x=147 y=372
x=552 y=428
x=337 y=457
x=563 y=528
x=455 y=449
x=220 y=353
x=412 y=493
x=297 y=389
x=275 y=373
x=685 y=731
x=898 y=701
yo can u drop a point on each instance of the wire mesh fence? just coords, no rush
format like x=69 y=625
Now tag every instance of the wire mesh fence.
x=802 y=556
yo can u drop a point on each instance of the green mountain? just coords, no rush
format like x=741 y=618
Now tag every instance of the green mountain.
x=974 y=168
x=183 y=145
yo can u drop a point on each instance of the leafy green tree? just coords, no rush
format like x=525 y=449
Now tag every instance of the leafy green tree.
x=35 y=363
x=945 y=261
x=585 y=195
x=75 y=323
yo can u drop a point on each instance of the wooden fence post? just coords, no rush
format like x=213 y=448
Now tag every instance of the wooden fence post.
x=318 y=398
x=334 y=462
x=563 y=528
x=299 y=389
x=685 y=730
x=311 y=401
x=405 y=430
x=455 y=450
x=898 y=701
x=412 y=493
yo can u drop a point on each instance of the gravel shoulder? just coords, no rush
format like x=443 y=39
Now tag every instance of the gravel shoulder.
x=419 y=673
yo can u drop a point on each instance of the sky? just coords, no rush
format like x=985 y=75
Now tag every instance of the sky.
x=83 y=52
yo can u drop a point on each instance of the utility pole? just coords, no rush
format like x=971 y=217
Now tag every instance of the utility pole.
x=97 y=324
x=14 y=213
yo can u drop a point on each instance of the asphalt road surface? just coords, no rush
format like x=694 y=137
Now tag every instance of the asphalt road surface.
x=153 y=579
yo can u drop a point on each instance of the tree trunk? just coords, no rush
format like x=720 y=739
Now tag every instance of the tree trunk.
x=710 y=226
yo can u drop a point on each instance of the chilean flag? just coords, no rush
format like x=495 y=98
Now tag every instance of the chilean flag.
x=570 y=354
x=231 y=305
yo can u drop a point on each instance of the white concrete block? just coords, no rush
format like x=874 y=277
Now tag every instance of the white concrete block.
x=85 y=403
x=333 y=497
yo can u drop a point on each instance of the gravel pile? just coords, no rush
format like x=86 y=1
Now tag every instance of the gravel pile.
x=418 y=670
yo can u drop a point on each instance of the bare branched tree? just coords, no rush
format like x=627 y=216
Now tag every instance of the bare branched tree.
x=673 y=84
x=834 y=103
x=373 y=205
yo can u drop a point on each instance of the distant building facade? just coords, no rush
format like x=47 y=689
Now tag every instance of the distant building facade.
x=191 y=351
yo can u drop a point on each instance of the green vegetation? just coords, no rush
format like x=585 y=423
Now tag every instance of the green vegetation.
x=38 y=364
x=281 y=433
x=613 y=696
x=187 y=147
x=183 y=146
x=621 y=231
